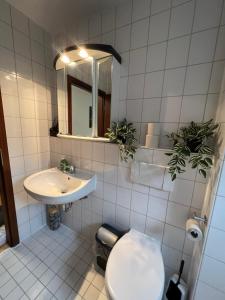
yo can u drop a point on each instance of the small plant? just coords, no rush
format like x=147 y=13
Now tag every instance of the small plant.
x=122 y=133
x=192 y=144
x=54 y=130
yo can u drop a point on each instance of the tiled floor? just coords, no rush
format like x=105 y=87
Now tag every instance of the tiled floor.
x=51 y=265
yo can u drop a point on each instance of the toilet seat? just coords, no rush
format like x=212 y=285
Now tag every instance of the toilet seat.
x=135 y=269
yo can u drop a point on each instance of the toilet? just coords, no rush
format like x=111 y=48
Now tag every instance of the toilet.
x=135 y=269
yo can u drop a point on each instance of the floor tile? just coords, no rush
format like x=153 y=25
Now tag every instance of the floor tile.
x=92 y=293
x=51 y=265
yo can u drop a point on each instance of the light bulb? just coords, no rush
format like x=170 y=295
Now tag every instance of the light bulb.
x=64 y=58
x=83 y=53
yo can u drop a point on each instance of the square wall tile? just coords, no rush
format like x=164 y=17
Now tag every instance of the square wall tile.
x=206 y=292
x=6 y=39
x=10 y=106
x=207 y=14
x=13 y=127
x=157 y=208
x=125 y=64
x=170 y=109
x=19 y=21
x=98 y=152
x=7 y=61
x=215 y=246
x=108 y=20
x=153 y=84
x=122 y=217
x=137 y=61
x=197 y=79
x=171 y=257
x=156 y=57
x=141 y=9
x=111 y=154
x=177 y=215
x=160 y=5
x=173 y=237
x=82 y=31
x=135 y=87
x=211 y=106
x=134 y=110
x=139 y=33
x=202 y=47
x=110 y=174
x=151 y=110
x=174 y=82
x=109 y=212
x=137 y=221
x=213 y=272
x=159 y=24
x=123 y=38
x=37 y=51
x=123 y=88
x=216 y=77
x=220 y=46
x=154 y=228
x=193 y=108
x=177 y=52
x=36 y=32
x=182 y=192
x=24 y=67
x=5 y=12
x=123 y=14
x=218 y=220
x=198 y=195
x=94 y=25
x=181 y=19
x=139 y=202
x=124 y=197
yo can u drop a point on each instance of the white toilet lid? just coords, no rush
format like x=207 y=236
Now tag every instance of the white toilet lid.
x=135 y=269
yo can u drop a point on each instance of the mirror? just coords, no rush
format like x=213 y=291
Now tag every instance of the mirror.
x=84 y=91
x=79 y=99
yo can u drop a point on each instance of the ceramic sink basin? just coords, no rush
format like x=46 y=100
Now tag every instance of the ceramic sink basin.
x=52 y=186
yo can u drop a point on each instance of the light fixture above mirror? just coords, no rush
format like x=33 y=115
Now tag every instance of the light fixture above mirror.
x=76 y=53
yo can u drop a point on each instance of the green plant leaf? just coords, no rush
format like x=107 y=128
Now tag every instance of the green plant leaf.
x=202 y=172
x=195 y=138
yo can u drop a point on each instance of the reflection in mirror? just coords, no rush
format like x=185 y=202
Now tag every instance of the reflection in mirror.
x=75 y=98
x=79 y=93
x=104 y=94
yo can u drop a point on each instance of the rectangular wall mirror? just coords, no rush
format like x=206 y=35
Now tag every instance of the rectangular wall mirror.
x=85 y=96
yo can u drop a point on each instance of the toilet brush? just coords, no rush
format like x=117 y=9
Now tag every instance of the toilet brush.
x=177 y=289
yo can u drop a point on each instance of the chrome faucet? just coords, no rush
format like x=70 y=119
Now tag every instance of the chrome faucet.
x=66 y=167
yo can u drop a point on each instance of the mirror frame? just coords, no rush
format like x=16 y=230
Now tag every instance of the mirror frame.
x=101 y=51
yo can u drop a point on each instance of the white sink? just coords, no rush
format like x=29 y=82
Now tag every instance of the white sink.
x=55 y=187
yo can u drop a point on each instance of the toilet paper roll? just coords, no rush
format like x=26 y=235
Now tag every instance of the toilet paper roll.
x=152 y=141
x=151 y=129
x=193 y=230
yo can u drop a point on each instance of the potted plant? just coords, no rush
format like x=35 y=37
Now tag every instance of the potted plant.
x=123 y=134
x=54 y=130
x=192 y=144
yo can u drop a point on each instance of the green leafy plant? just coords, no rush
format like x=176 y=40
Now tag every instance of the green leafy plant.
x=192 y=144
x=123 y=134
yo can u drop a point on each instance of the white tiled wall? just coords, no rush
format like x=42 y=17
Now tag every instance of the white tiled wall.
x=125 y=204
x=212 y=262
x=28 y=91
x=172 y=58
